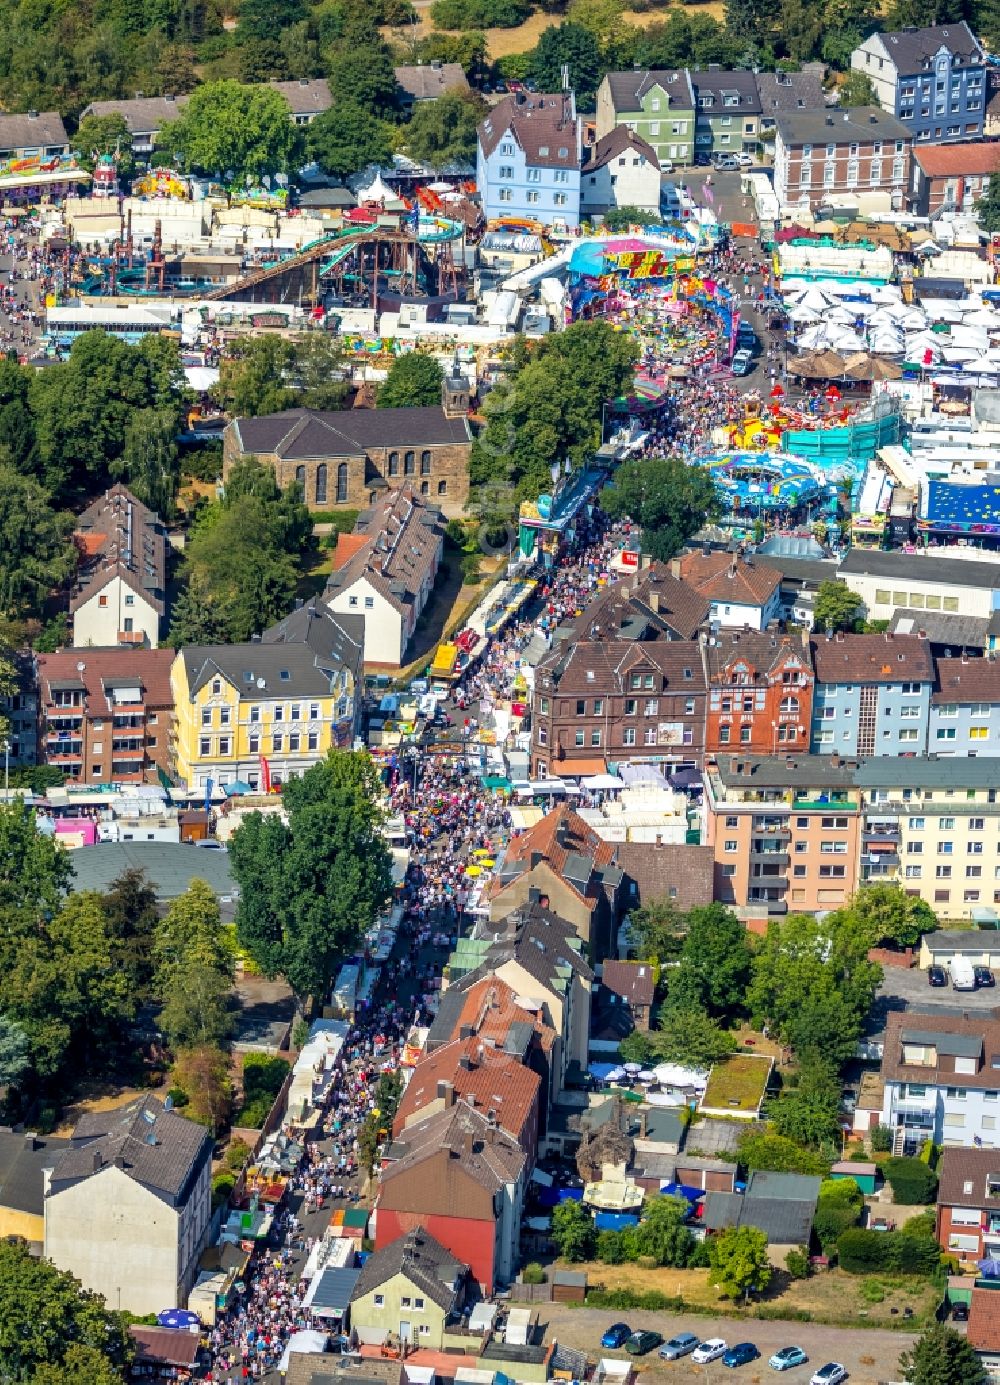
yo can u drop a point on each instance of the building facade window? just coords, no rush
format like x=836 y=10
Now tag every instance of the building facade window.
x=321 y=483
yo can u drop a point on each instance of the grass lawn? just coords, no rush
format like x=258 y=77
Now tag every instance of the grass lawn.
x=829 y=1296
x=737 y=1084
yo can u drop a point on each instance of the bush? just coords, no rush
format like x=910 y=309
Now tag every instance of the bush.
x=179 y=1097
x=203 y=462
x=871 y=1291
x=222 y=1185
x=911 y=1254
x=861 y=1251
x=237 y=1155
x=929 y=1154
x=838 y=1209
x=262 y=1079
x=881 y=1138
x=611 y=1249
x=533 y=1274
x=912 y=1182
x=797 y=1264
x=652 y=1301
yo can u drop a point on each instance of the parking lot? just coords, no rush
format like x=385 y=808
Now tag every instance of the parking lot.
x=909 y=990
x=870 y=1355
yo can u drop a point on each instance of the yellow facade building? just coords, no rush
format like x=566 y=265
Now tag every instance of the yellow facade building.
x=265 y=712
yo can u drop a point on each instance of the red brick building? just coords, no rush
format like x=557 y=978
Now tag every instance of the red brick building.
x=105 y=714
x=968 y=1204
x=952 y=176
x=760 y=692
x=462 y=1178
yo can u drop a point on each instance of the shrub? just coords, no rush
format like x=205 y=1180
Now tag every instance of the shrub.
x=912 y=1182
x=881 y=1138
x=929 y=1154
x=652 y=1301
x=610 y=1249
x=179 y=1097
x=533 y=1274
x=913 y=1254
x=797 y=1264
x=262 y=1079
x=861 y=1251
x=837 y=1210
x=871 y=1291
x=237 y=1155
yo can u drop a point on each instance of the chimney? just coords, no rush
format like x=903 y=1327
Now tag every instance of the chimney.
x=466 y=1031
x=921 y=634
x=789 y=762
x=465 y=1063
x=30 y=1140
x=675 y=567
x=839 y=637
x=446 y=1093
x=654 y=602
x=543 y=901
x=537 y=857
x=97 y=1162
x=835 y=760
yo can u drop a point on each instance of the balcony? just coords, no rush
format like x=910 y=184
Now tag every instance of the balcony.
x=128 y=752
x=772 y=827
x=69 y=757
x=882 y=840
x=769 y=856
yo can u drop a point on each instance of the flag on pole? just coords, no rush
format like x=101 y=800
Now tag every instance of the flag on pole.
x=265 y=774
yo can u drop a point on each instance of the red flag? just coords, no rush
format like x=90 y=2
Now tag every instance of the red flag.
x=265 y=772
x=928 y=356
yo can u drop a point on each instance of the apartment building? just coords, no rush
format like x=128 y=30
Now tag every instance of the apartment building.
x=618 y=700
x=760 y=692
x=951 y=177
x=784 y=92
x=933 y=825
x=530 y=148
x=785 y=831
x=933 y=79
x=120 y=591
x=968 y=1205
x=267 y=711
x=727 y=112
x=822 y=154
x=657 y=104
x=872 y=694
x=965 y=708
x=105 y=714
x=620 y=170
x=941 y=1079
x=742 y=593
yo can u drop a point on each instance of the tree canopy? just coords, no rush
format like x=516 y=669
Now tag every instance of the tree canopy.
x=738 y=1260
x=309 y=887
x=714 y=964
x=942 y=1356
x=414 y=379
x=346 y=138
x=573 y=46
x=443 y=131
x=836 y=607
x=232 y=131
x=667 y=497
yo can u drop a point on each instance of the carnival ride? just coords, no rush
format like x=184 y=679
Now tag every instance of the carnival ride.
x=753 y=482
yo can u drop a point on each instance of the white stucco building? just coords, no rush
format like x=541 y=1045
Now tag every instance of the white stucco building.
x=127 y=1206
x=941 y=1075
x=620 y=170
x=120 y=595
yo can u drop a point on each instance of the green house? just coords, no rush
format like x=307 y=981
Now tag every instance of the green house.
x=658 y=105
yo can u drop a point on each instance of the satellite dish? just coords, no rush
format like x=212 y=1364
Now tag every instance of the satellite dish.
x=80 y=666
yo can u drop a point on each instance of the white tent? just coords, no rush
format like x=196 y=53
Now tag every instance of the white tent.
x=377 y=191
x=307 y=1342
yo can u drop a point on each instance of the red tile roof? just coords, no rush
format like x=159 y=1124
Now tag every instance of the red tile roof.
x=491 y=1008
x=984 y=1321
x=883 y=658
x=496 y=1082
x=723 y=577
x=957 y=160
x=94 y=668
x=633 y=981
x=347 y=546
x=967 y=680
x=559 y=835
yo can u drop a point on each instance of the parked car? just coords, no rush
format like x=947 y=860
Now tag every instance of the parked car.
x=641 y=1342
x=725 y=162
x=742 y=363
x=676 y=1347
x=787 y=1358
x=984 y=977
x=830 y=1374
x=746 y=338
x=937 y=976
x=741 y=1354
x=710 y=1350
x=960 y=1312
x=617 y=1335
x=745 y=160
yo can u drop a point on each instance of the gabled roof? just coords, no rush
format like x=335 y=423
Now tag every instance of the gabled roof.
x=983 y=1031
x=402 y=541
x=963 y=1175
x=983 y=1332
x=307 y=96
x=603 y=666
x=966 y=680
x=682 y=874
x=631 y=981
x=922 y=567
x=790 y=91
x=957 y=160
x=144 y=115
x=544 y=125
x=23 y=1157
x=859 y=125
x=723 y=85
x=765 y=654
x=305 y=434
x=885 y=658
x=426 y=81
x=424 y=1262
x=621 y=141
x=31 y=130
x=724 y=577
x=149 y=669
x=628 y=88
x=541 y=943
x=496 y=1082
x=651 y=602
x=911 y=49
x=158 y=1148
x=475 y=1152
x=118 y=536
x=489 y=1009
x=277 y=666
x=571 y=848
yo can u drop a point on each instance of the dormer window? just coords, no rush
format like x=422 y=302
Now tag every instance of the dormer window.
x=543 y=151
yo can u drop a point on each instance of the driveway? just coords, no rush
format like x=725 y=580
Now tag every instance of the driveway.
x=871 y=1355
x=903 y=989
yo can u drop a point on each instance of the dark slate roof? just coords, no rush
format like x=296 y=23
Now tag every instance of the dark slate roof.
x=143 y=115
x=860 y=124
x=785 y=1221
x=958 y=631
x=425 y=1263
x=922 y=568
x=398 y=548
x=628 y=88
x=27 y=131
x=307 y=96
x=722 y=84
x=426 y=81
x=335 y=1290
x=23 y=1156
x=621 y=140
x=300 y=434
x=158 y=1148
x=790 y=91
x=912 y=49
x=310 y=646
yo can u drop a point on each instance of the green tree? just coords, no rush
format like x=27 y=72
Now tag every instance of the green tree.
x=17 y=425
x=15 y=1052
x=105 y=134
x=36 y=551
x=45 y=1314
x=889 y=915
x=574 y=46
x=621 y=218
x=714 y=967
x=268 y=19
x=230 y=130
x=82 y=1365
x=636 y=1047
x=662 y=1234
x=573 y=1232
x=194 y=620
x=855 y=89
x=317 y=371
x=443 y=131
x=549 y=413
x=310 y=886
x=807 y=1111
x=254 y=377
x=942 y=1356
x=836 y=607
x=196 y=1008
x=911 y=1180
x=361 y=70
x=738 y=1261
x=413 y=380
x=132 y=917
x=204 y=1074
x=346 y=138
x=149 y=462
x=191 y=931
x=690 y=1037
x=777 y=1153
x=658 y=930
x=669 y=499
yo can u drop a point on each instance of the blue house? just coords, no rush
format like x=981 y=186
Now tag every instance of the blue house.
x=528 y=161
x=933 y=80
x=872 y=695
